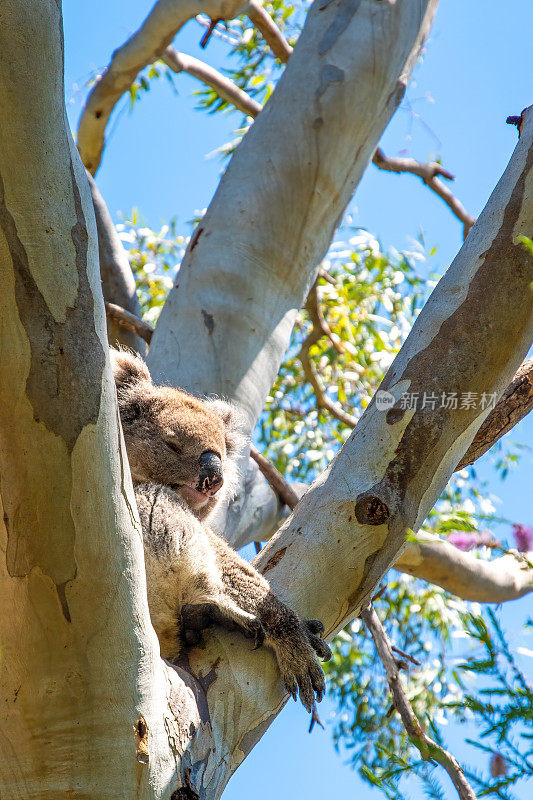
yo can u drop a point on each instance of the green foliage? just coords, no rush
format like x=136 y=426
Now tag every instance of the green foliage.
x=501 y=701
x=369 y=300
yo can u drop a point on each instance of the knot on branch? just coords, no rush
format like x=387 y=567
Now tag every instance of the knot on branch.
x=371 y=510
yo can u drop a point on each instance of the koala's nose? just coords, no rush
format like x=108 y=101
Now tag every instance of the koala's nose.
x=211 y=475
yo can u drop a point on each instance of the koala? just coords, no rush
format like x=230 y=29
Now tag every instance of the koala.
x=183 y=457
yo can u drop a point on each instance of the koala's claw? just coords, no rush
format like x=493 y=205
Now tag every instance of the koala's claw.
x=314 y=627
x=257 y=632
x=291 y=685
x=303 y=675
x=320 y=647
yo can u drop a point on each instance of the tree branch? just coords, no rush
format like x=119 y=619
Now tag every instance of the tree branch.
x=284 y=491
x=118 y=283
x=145 y=46
x=223 y=86
x=435 y=560
x=429 y=173
x=264 y=23
x=513 y=405
x=427 y=747
x=322 y=398
x=129 y=321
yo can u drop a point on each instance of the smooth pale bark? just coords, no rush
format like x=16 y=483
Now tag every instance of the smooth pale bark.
x=79 y=660
x=145 y=46
x=351 y=526
x=468 y=577
x=118 y=283
x=432 y=559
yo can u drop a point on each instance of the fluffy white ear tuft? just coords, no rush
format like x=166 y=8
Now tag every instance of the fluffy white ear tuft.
x=128 y=368
x=235 y=423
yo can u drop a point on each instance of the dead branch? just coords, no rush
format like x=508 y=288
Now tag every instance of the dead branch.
x=428 y=748
x=513 y=405
x=429 y=173
x=270 y=32
x=223 y=86
x=284 y=491
x=127 y=320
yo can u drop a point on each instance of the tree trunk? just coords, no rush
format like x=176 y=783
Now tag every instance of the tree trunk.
x=79 y=660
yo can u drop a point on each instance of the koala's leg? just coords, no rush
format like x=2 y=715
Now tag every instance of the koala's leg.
x=296 y=644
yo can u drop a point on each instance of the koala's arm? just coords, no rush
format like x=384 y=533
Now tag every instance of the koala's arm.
x=295 y=642
x=192 y=571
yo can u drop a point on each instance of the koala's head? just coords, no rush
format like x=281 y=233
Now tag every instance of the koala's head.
x=173 y=438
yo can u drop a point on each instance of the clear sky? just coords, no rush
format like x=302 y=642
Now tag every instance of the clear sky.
x=477 y=70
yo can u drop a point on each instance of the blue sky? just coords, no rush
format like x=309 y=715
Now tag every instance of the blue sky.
x=477 y=70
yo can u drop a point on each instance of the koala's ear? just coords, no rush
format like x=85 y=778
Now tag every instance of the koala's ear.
x=235 y=423
x=128 y=369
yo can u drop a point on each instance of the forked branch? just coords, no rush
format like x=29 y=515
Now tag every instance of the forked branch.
x=430 y=173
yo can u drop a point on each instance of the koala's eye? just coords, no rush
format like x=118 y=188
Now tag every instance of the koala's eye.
x=173 y=446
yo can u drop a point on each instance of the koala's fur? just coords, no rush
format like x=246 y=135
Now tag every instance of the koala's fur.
x=194 y=578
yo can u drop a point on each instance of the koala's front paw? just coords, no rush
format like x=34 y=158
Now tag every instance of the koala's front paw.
x=301 y=673
x=313 y=628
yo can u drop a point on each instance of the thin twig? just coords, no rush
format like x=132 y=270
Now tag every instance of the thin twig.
x=429 y=173
x=275 y=479
x=207 y=35
x=217 y=33
x=321 y=328
x=272 y=35
x=405 y=655
x=428 y=748
x=223 y=86
x=129 y=321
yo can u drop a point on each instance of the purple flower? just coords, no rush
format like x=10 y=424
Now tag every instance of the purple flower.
x=466 y=541
x=523 y=535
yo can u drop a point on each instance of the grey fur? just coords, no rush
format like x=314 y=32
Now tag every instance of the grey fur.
x=194 y=578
